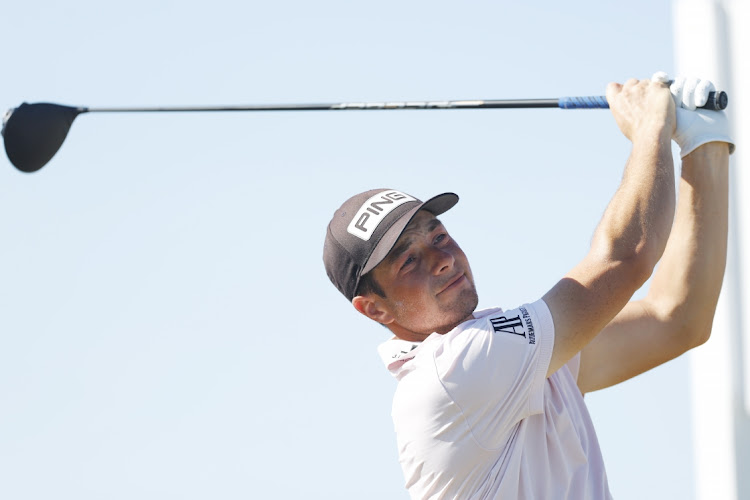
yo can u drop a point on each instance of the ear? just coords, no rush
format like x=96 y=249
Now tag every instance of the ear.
x=372 y=308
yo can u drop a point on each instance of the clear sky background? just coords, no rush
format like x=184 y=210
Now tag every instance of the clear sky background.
x=167 y=329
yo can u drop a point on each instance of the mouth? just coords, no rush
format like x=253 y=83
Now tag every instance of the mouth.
x=453 y=283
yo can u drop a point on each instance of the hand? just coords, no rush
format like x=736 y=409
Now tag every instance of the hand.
x=696 y=127
x=688 y=93
x=642 y=108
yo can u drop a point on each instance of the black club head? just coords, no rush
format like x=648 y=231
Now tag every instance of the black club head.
x=34 y=132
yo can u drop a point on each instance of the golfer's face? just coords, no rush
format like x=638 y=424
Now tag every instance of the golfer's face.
x=426 y=278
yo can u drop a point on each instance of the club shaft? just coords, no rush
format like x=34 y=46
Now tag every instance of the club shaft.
x=716 y=101
x=345 y=106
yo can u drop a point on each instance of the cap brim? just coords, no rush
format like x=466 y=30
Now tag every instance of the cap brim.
x=435 y=205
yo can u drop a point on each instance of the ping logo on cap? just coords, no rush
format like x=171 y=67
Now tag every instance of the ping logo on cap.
x=374 y=210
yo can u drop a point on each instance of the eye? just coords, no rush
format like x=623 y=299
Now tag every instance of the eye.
x=408 y=261
x=440 y=238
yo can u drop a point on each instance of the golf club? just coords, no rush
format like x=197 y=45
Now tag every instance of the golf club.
x=33 y=133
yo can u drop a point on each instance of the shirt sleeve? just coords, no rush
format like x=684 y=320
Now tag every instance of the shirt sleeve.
x=495 y=370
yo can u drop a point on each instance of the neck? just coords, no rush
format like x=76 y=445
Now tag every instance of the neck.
x=412 y=336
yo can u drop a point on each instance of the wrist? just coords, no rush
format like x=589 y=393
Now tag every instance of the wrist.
x=696 y=128
x=709 y=152
x=657 y=133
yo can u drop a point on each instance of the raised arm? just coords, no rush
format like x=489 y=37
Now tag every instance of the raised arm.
x=678 y=311
x=633 y=232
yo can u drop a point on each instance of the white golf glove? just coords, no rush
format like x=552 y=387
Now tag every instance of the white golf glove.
x=695 y=127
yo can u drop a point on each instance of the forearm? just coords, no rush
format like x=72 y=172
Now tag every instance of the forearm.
x=637 y=221
x=687 y=283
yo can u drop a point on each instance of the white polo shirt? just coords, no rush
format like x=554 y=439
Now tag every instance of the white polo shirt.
x=477 y=418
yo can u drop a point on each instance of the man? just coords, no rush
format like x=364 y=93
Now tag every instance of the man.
x=489 y=403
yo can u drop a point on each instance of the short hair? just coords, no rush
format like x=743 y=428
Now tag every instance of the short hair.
x=368 y=284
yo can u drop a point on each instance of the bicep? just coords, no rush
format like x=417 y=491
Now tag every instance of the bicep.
x=635 y=341
x=586 y=300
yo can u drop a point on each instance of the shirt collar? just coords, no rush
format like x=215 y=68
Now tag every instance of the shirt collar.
x=395 y=352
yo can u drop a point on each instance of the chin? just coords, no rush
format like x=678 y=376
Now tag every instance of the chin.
x=467 y=301
x=461 y=310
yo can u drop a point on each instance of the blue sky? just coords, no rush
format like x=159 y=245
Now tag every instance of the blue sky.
x=167 y=328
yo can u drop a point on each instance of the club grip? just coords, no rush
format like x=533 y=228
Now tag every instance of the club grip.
x=586 y=102
x=717 y=101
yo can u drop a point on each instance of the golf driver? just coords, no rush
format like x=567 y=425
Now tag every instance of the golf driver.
x=33 y=133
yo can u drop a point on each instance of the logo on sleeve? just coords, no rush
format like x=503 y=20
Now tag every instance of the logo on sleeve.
x=520 y=325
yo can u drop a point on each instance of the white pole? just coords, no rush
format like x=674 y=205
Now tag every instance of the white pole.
x=738 y=13
x=710 y=42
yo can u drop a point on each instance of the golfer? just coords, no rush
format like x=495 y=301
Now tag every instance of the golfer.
x=489 y=403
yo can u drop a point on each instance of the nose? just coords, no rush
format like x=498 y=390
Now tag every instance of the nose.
x=442 y=261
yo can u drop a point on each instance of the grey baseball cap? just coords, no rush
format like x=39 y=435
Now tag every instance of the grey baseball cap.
x=365 y=228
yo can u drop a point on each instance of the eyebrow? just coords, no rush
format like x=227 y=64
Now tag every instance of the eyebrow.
x=402 y=247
